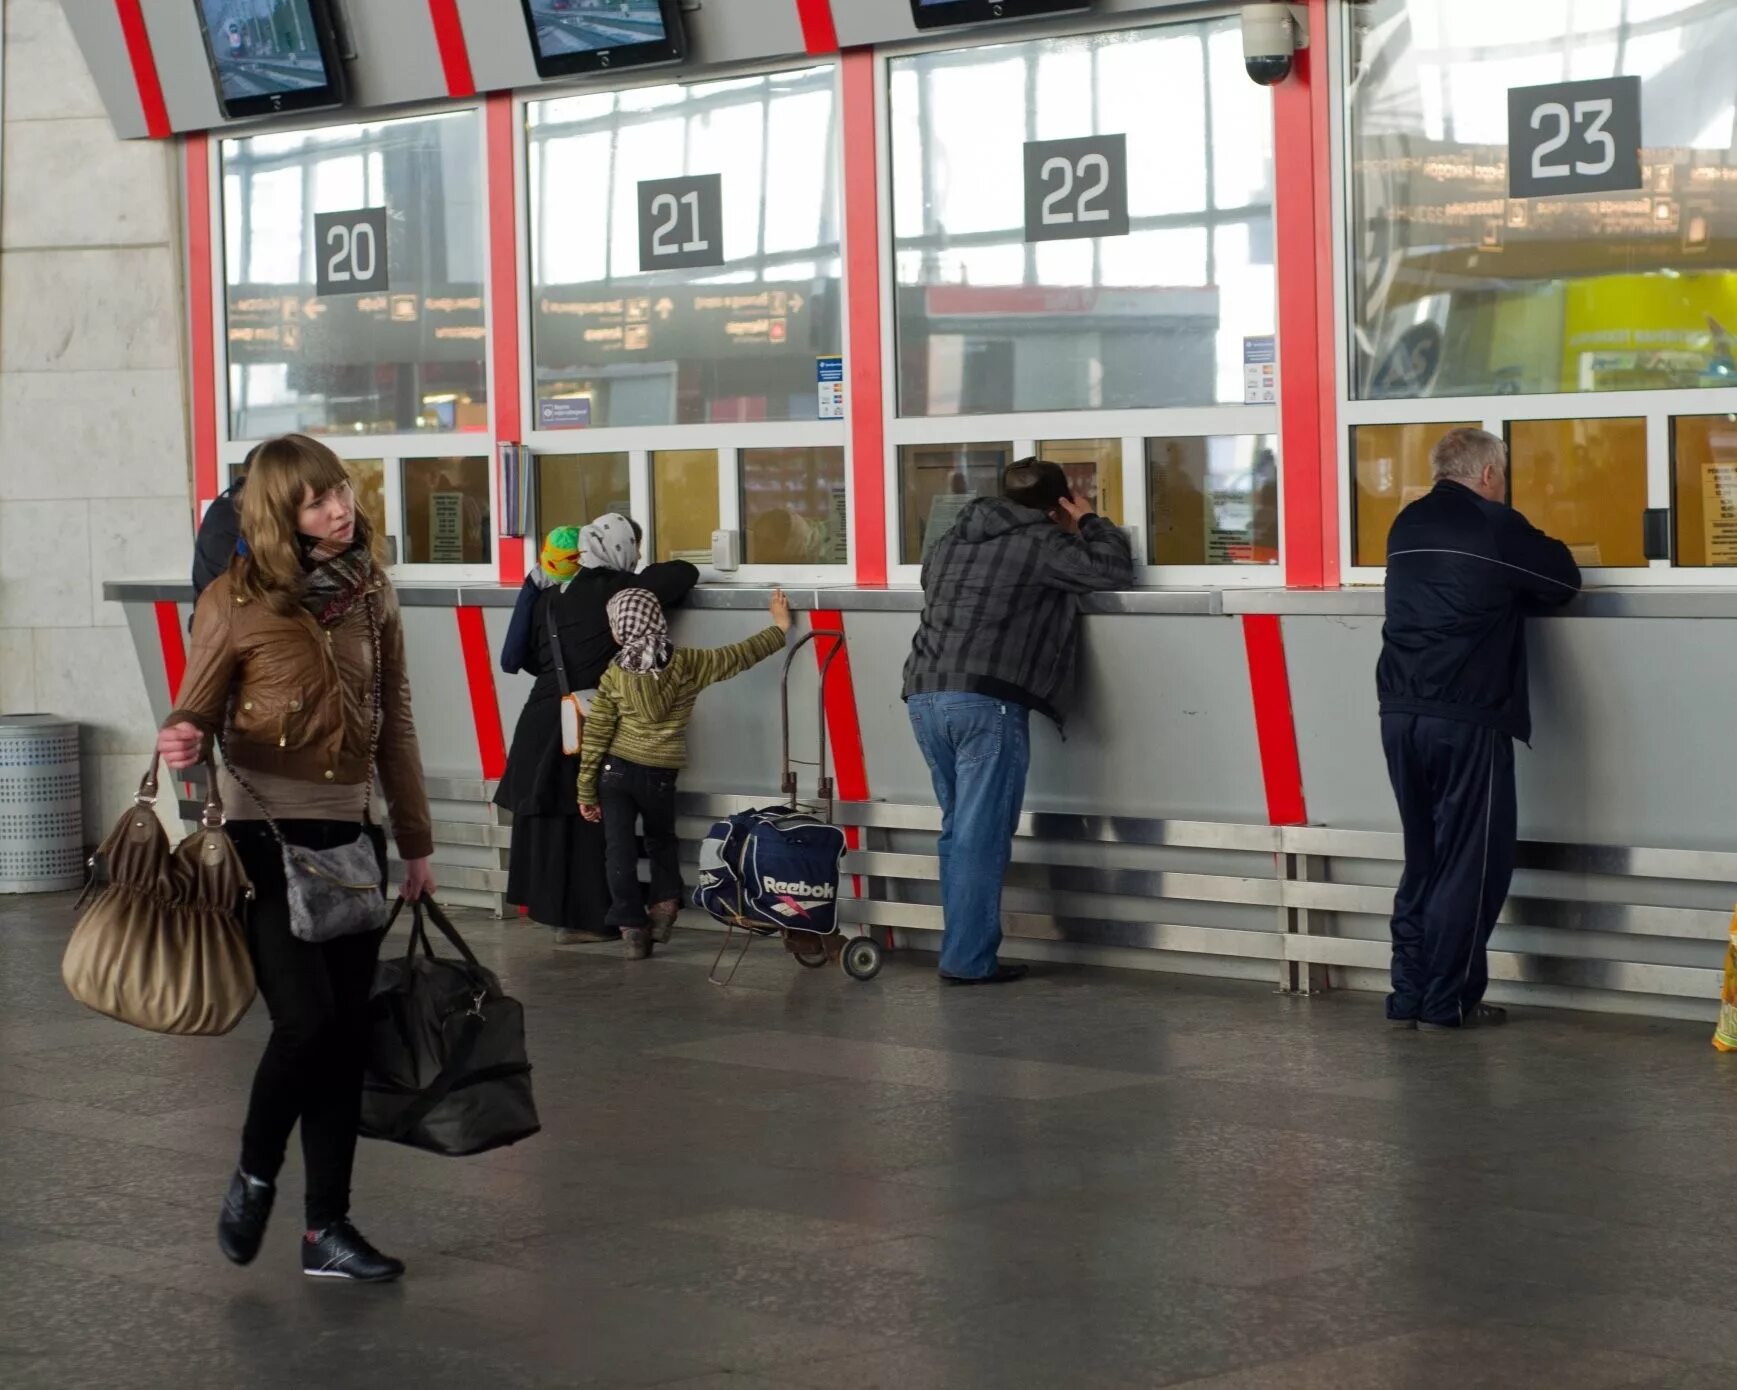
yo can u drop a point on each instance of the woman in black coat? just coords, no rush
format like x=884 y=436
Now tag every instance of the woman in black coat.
x=555 y=868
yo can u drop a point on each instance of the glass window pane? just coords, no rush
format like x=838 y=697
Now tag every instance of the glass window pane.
x=368 y=478
x=1094 y=469
x=1584 y=482
x=446 y=511
x=1458 y=290
x=1214 y=500
x=574 y=489
x=1389 y=467
x=987 y=323
x=793 y=507
x=412 y=358
x=935 y=483
x=614 y=346
x=1704 y=468
x=684 y=503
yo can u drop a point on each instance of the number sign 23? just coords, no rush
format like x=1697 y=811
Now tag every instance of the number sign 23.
x=350 y=252
x=1574 y=137
x=1076 y=188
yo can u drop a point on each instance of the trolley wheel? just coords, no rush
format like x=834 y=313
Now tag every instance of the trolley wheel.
x=861 y=958
x=811 y=955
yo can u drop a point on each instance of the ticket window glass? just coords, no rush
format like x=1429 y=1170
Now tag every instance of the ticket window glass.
x=1005 y=300
x=658 y=303
x=1094 y=469
x=684 y=502
x=576 y=489
x=1390 y=468
x=1704 y=478
x=395 y=207
x=935 y=483
x=1459 y=289
x=1585 y=483
x=1214 y=500
x=794 y=507
x=446 y=511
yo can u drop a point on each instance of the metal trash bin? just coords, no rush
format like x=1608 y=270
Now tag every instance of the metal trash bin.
x=41 y=805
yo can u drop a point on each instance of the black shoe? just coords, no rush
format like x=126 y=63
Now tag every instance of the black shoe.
x=1483 y=1016
x=636 y=943
x=1402 y=1023
x=340 y=1252
x=241 y=1223
x=1001 y=975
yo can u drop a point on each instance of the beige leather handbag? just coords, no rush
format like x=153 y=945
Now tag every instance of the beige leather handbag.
x=161 y=945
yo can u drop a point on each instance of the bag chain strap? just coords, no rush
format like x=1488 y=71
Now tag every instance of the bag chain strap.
x=376 y=725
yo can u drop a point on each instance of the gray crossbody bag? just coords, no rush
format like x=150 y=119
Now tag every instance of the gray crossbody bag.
x=333 y=892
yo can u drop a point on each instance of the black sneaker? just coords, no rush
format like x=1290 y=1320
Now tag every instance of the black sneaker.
x=241 y=1223
x=1484 y=1016
x=1001 y=975
x=340 y=1252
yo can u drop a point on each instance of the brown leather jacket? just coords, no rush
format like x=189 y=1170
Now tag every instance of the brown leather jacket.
x=299 y=698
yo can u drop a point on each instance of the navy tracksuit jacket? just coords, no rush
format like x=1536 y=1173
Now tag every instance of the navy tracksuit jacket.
x=1462 y=574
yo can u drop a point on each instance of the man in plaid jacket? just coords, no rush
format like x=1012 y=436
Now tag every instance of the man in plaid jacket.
x=997 y=641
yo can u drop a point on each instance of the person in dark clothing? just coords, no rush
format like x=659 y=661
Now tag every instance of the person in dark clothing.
x=997 y=640
x=219 y=531
x=556 y=868
x=1464 y=570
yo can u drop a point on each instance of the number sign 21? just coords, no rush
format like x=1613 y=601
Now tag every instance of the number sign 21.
x=681 y=222
x=1574 y=137
x=1076 y=188
x=350 y=252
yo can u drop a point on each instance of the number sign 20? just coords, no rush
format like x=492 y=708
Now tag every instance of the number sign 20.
x=1076 y=188
x=681 y=222
x=1574 y=137
x=350 y=252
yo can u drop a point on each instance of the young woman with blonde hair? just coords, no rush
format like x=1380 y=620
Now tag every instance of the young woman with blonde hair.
x=297 y=666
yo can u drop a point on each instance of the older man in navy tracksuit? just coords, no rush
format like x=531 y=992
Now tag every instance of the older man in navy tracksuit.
x=1463 y=571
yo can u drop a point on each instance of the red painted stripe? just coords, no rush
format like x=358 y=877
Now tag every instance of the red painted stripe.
x=138 y=39
x=504 y=251
x=1275 y=720
x=202 y=323
x=485 y=705
x=819 y=34
x=843 y=728
x=1308 y=404
x=454 y=53
x=174 y=646
x=862 y=271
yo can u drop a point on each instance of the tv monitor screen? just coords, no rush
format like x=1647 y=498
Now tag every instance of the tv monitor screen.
x=570 y=36
x=941 y=14
x=271 y=55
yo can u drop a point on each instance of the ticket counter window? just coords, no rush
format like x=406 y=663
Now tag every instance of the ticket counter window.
x=575 y=489
x=685 y=260
x=1214 y=500
x=684 y=503
x=1390 y=469
x=1585 y=483
x=446 y=511
x=794 y=507
x=1704 y=476
x=1461 y=287
x=1124 y=268
x=354 y=273
x=935 y=483
x=1094 y=469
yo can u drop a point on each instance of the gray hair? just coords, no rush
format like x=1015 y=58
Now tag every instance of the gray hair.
x=1464 y=454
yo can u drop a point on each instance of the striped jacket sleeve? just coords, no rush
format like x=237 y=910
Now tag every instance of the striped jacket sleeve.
x=599 y=736
x=709 y=665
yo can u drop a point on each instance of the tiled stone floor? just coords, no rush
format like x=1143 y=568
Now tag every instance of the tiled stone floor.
x=1089 y=1180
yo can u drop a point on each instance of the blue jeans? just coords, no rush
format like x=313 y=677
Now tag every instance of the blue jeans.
x=978 y=749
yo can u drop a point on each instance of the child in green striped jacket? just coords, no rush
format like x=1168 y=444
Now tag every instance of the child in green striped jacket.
x=636 y=741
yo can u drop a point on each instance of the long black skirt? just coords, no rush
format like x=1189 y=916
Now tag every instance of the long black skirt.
x=555 y=870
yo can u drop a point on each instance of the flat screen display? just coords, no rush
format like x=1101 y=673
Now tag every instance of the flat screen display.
x=569 y=36
x=941 y=14
x=271 y=55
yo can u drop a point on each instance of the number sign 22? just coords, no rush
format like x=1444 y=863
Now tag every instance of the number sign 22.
x=1574 y=137
x=1076 y=188
x=350 y=252
x=681 y=222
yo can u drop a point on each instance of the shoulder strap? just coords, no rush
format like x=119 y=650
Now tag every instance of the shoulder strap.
x=555 y=647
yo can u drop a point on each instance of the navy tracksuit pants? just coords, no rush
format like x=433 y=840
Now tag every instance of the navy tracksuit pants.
x=1455 y=786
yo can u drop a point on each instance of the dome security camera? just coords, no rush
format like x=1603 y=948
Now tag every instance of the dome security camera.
x=1271 y=35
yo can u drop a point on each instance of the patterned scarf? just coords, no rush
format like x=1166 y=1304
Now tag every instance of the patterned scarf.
x=339 y=573
x=609 y=544
x=560 y=557
x=637 y=623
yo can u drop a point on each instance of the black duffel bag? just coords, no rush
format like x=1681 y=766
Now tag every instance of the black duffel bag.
x=447 y=1069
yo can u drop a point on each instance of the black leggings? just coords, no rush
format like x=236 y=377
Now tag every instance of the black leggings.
x=318 y=998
